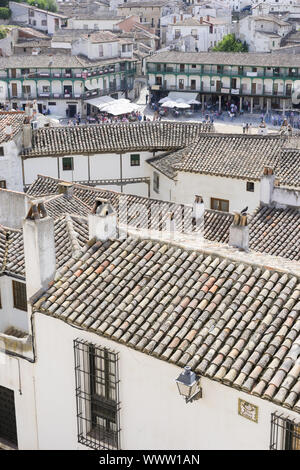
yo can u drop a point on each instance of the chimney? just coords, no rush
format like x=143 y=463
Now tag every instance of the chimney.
x=66 y=189
x=239 y=232
x=198 y=210
x=181 y=16
x=174 y=19
x=201 y=20
x=13 y=208
x=8 y=130
x=267 y=186
x=208 y=18
x=102 y=221
x=27 y=135
x=39 y=248
x=170 y=224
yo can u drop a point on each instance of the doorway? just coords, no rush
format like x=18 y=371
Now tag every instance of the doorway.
x=72 y=109
x=14 y=90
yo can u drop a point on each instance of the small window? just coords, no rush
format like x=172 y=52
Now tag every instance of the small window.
x=97 y=392
x=19 y=294
x=156 y=182
x=194 y=66
x=250 y=186
x=52 y=103
x=181 y=67
x=285 y=433
x=68 y=163
x=1 y=151
x=2 y=184
x=219 y=204
x=135 y=160
x=44 y=22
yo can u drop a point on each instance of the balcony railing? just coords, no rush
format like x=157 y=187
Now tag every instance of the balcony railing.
x=82 y=75
x=223 y=73
x=227 y=90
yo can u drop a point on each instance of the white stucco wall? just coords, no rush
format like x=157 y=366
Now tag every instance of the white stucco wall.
x=11 y=164
x=11 y=316
x=17 y=374
x=102 y=166
x=232 y=189
x=153 y=415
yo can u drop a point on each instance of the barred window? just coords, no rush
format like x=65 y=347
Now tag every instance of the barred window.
x=285 y=433
x=8 y=426
x=97 y=392
x=20 y=297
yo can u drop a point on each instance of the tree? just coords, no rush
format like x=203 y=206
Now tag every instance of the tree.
x=49 y=5
x=229 y=43
x=5 y=13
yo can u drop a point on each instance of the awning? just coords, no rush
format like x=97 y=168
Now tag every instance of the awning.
x=182 y=95
x=100 y=102
x=121 y=106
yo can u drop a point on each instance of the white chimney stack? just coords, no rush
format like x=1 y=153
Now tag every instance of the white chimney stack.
x=239 y=232
x=198 y=209
x=66 y=189
x=102 y=221
x=8 y=130
x=13 y=208
x=39 y=248
x=267 y=182
x=27 y=136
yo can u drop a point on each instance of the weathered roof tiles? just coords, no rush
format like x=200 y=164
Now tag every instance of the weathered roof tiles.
x=232 y=322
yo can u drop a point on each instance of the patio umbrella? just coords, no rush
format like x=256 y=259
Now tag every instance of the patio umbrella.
x=163 y=100
x=169 y=104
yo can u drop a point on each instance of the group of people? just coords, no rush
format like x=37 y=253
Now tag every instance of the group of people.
x=247 y=127
x=104 y=118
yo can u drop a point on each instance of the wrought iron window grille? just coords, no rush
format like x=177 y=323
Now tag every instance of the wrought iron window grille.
x=97 y=395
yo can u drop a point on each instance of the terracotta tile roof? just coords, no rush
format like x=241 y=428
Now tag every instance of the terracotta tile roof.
x=13 y=118
x=167 y=162
x=276 y=231
x=154 y=213
x=255 y=59
x=114 y=137
x=71 y=234
x=233 y=322
x=61 y=204
x=237 y=156
x=288 y=168
x=100 y=36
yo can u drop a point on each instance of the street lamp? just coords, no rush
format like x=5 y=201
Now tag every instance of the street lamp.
x=188 y=384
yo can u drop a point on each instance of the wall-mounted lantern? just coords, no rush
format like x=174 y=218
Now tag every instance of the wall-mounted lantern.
x=188 y=384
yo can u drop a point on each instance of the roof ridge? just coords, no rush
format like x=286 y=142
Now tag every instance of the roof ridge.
x=73 y=237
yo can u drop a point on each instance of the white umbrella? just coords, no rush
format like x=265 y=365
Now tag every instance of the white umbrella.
x=164 y=99
x=118 y=107
x=169 y=104
x=182 y=105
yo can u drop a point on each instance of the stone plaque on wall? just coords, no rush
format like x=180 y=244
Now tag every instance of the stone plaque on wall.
x=247 y=410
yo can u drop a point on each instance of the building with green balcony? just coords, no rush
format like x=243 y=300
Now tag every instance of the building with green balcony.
x=253 y=81
x=64 y=83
